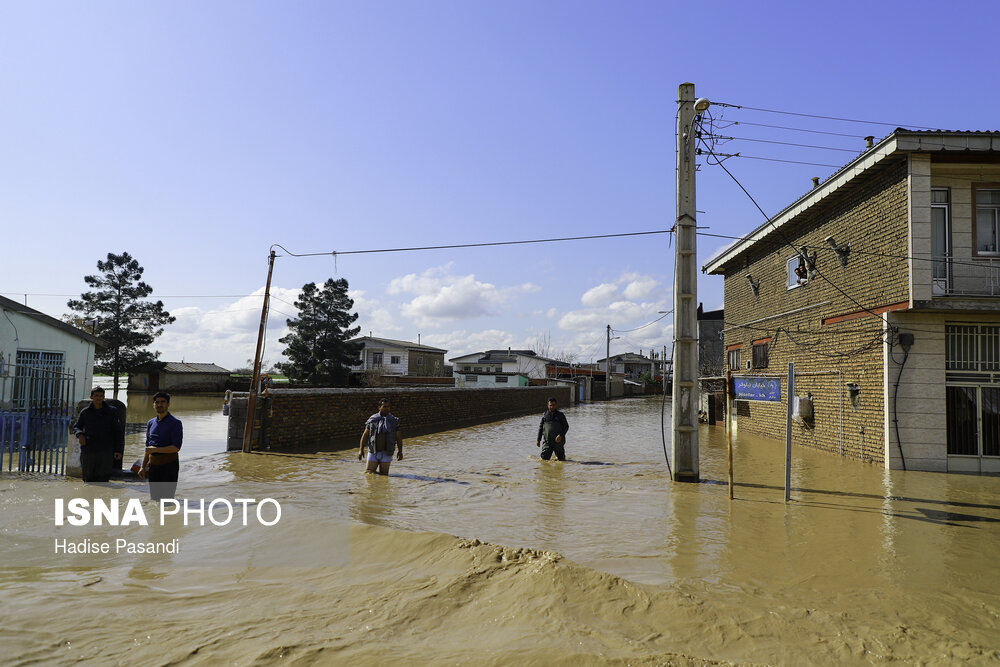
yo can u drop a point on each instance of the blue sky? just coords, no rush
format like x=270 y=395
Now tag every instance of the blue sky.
x=194 y=135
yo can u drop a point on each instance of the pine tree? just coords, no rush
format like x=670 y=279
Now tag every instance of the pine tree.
x=124 y=320
x=318 y=347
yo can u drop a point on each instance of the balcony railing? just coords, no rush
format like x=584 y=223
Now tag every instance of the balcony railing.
x=966 y=277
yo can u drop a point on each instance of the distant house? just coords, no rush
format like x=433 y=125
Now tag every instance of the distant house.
x=630 y=364
x=493 y=362
x=177 y=376
x=399 y=357
x=495 y=380
x=32 y=339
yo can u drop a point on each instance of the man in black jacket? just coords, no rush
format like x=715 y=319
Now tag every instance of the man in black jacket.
x=102 y=441
x=552 y=430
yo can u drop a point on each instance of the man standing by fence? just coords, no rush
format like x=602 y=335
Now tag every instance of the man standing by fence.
x=102 y=440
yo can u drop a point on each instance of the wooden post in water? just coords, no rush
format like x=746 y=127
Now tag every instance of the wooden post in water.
x=252 y=400
x=788 y=430
x=729 y=428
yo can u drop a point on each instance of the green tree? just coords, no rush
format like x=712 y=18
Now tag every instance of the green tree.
x=124 y=319
x=318 y=347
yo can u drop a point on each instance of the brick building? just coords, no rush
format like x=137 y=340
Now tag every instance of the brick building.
x=399 y=357
x=882 y=284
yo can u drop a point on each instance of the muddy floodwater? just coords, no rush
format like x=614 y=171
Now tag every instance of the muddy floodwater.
x=473 y=551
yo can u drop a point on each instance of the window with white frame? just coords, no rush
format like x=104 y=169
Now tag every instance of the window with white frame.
x=987 y=221
x=796 y=270
x=394 y=359
x=377 y=358
x=941 y=235
x=734 y=359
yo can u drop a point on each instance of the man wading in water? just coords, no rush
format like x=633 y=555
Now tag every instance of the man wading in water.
x=552 y=430
x=381 y=435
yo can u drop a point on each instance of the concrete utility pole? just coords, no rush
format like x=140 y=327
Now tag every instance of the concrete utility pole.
x=684 y=413
x=607 y=368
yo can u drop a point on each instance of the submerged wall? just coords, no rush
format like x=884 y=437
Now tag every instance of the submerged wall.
x=296 y=418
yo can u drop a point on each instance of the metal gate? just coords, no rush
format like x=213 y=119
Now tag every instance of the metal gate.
x=36 y=410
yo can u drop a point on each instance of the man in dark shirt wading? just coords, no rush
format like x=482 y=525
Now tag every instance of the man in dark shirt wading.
x=163 y=440
x=552 y=430
x=101 y=439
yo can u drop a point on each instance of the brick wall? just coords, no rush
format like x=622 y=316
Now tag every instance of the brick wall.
x=827 y=356
x=295 y=418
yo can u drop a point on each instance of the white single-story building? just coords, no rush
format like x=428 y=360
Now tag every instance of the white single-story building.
x=490 y=380
x=29 y=337
x=524 y=362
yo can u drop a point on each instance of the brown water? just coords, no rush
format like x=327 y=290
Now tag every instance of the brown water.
x=475 y=552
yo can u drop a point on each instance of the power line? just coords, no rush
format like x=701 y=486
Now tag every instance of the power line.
x=798 y=129
x=469 y=245
x=644 y=325
x=788 y=143
x=809 y=115
x=770 y=159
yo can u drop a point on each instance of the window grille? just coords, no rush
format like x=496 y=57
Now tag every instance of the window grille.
x=972 y=347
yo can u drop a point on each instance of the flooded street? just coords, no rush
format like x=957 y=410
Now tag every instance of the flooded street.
x=473 y=551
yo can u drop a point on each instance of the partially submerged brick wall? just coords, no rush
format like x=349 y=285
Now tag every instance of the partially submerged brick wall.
x=311 y=418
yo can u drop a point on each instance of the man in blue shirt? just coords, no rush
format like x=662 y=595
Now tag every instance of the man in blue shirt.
x=164 y=434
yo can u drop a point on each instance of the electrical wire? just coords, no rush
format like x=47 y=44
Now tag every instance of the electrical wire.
x=469 y=245
x=773 y=159
x=798 y=129
x=809 y=115
x=895 y=412
x=644 y=325
x=788 y=143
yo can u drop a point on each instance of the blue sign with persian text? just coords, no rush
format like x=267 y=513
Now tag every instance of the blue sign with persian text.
x=757 y=389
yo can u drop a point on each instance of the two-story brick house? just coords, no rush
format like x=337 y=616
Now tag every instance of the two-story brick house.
x=882 y=284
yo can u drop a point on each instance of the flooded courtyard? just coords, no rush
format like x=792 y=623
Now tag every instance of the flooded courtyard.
x=473 y=551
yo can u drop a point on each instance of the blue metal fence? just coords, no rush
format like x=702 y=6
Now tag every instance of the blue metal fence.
x=36 y=410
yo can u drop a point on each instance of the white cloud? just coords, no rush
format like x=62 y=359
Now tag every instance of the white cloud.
x=227 y=335
x=630 y=302
x=440 y=297
x=374 y=316
x=640 y=288
x=600 y=295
